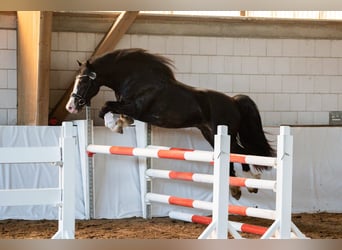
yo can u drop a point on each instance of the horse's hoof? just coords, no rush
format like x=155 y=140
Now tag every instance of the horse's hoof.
x=237 y=196
x=117 y=129
x=235 y=192
x=126 y=120
x=252 y=190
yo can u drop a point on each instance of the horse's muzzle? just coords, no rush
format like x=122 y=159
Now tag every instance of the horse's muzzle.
x=71 y=107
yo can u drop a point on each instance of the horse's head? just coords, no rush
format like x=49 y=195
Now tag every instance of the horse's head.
x=85 y=88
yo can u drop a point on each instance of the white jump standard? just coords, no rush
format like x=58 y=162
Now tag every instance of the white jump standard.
x=282 y=186
x=218 y=227
x=63 y=197
x=282 y=227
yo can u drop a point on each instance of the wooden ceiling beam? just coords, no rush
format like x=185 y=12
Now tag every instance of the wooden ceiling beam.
x=116 y=32
x=107 y=44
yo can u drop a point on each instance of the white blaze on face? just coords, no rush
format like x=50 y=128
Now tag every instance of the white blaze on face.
x=71 y=105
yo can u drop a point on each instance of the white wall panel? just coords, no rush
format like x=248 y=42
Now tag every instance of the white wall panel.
x=298 y=75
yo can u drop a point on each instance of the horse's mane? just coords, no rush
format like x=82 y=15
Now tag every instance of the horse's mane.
x=159 y=62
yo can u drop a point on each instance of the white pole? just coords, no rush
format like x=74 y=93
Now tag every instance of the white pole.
x=141 y=137
x=284 y=182
x=84 y=138
x=219 y=225
x=66 y=222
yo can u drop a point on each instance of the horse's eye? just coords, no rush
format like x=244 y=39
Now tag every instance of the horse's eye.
x=81 y=102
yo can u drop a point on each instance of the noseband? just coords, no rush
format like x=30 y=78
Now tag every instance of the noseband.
x=82 y=99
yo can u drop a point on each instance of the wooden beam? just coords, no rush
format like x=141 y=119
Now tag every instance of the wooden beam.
x=116 y=32
x=28 y=28
x=108 y=43
x=43 y=91
x=34 y=42
x=203 y=26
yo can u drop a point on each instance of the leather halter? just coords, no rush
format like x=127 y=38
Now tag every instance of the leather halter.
x=82 y=99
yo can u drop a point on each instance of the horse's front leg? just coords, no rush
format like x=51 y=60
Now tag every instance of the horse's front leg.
x=107 y=108
x=125 y=108
x=118 y=125
x=115 y=107
x=250 y=171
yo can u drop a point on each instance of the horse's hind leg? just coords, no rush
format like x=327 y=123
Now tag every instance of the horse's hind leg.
x=234 y=190
x=208 y=134
x=249 y=173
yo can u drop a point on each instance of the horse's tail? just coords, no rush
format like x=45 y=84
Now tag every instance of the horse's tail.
x=251 y=133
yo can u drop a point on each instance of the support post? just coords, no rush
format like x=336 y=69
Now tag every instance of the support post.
x=141 y=132
x=34 y=47
x=217 y=229
x=84 y=138
x=90 y=167
x=281 y=228
x=284 y=182
x=66 y=220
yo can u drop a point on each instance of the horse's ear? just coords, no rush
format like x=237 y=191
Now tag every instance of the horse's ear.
x=79 y=63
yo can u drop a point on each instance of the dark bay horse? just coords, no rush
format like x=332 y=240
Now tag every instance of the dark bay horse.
x=147 y=90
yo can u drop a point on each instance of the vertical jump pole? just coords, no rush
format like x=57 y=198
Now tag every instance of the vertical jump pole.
x=89 y=184
x=66 y=220
x=84 y=138
x=217 y=229
x=148 y=180
x=284 y=187
x=284 y=182
x=141 y=133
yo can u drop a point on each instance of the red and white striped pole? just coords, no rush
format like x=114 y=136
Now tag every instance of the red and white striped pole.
x=179 y=154
x=208 y=178
x=209 y=206
x=241 y=227
x=201 y=156
x=238 y=158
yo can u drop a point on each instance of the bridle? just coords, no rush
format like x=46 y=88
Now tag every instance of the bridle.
x=82 y=99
